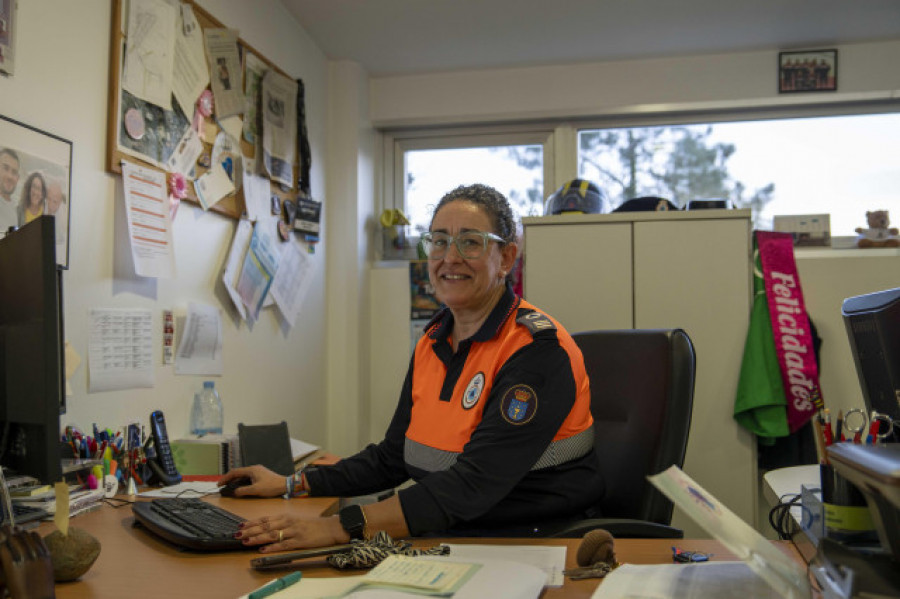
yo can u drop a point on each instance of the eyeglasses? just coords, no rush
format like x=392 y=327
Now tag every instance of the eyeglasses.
x=470 y=244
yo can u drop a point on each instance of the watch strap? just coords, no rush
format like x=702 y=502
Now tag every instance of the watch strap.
x=353 y=520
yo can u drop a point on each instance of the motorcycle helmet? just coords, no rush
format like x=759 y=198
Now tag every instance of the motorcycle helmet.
x=578 y=195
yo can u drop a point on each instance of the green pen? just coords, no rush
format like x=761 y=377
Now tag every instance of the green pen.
x=276 y=585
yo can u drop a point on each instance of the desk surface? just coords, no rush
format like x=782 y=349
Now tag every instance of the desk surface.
x=134 y=562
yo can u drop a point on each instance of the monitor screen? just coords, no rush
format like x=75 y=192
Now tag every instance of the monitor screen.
x=873 y=326
x=32 y=379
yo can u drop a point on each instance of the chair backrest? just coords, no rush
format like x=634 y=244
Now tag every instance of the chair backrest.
x=642 y=390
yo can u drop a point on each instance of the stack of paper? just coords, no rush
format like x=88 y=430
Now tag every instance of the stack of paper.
x=399 y=577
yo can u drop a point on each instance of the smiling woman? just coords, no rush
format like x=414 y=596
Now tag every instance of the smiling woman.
x=493 y=421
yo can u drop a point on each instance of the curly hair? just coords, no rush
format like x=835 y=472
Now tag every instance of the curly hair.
x=492 y=201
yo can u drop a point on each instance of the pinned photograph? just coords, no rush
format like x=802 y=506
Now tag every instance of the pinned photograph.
x=35 y=180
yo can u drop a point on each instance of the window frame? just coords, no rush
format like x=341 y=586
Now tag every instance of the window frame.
x=397 y=143
x=559 y=136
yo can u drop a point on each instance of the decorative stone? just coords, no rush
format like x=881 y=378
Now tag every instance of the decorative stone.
x=72 y=555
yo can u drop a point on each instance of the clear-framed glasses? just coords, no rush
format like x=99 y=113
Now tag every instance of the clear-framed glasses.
x=469 y=244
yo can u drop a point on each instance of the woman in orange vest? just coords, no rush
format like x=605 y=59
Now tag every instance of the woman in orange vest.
x=493 y=423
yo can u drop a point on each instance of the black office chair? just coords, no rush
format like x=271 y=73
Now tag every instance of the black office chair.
x=642 y=390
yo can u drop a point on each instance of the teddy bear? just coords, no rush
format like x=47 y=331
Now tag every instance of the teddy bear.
x=879 y=234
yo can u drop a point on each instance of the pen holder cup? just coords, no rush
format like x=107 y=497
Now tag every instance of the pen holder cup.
x=847 y=516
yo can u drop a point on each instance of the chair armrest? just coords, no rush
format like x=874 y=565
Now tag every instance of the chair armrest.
x=621 y=528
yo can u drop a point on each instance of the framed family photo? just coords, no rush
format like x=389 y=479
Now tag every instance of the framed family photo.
x=807 y=71
x=35 y=180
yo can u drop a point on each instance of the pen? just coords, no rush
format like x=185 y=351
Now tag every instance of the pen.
x=839 y=429
x=829 y=437
x=276 y=585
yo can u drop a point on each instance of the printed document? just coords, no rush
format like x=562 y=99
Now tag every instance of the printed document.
x=226 y=81
x=149 y=221
x=240 y=243
x=190 y=73
x=254 y=69
x=200 y=350
x=279 y=118
x=120 y=349
x=293 y=280
x=492 y=578
x=258 y=270
x=150 y=51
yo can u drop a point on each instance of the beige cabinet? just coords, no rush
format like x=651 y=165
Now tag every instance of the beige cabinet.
x=689 y=270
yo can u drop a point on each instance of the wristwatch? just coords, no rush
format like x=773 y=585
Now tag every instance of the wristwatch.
x=353 y=519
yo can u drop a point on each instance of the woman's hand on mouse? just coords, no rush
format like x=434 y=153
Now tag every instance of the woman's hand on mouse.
x=263 y=482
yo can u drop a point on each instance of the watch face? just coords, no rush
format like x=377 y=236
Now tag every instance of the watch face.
x=354 y=521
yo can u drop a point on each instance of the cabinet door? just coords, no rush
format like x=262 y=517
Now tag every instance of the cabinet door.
x=581 y=274
x=695 y=275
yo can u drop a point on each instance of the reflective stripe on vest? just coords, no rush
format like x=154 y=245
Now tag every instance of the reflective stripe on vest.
x=559 y=452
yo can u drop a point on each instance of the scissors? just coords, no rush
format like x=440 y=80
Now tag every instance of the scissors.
x=857 y=422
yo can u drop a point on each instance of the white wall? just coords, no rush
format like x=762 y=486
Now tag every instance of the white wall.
x=60 y=85
x=632 y=87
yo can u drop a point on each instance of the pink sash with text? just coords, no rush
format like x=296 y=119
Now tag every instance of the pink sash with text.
x=790 y=326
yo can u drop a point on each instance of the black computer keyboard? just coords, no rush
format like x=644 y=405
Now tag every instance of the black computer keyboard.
x=190 y=523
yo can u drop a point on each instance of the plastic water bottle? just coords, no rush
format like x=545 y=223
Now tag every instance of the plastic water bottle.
x=207 y=415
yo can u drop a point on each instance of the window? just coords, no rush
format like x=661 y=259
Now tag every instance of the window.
x=837 y=165
x=425 y=169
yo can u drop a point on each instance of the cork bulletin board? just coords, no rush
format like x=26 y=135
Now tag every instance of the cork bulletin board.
x=163 y=127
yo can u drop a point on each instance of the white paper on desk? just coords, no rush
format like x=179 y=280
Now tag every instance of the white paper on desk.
x=550 y=559
x=496 y=579
x=190 y=489
x=120 y=349
x=786 y=577
x=301 y=449
x=710 y=580
x=190 y=74
x=292 y=280
x=200 y=350
x=149 y=221
x=258 y=269
x=150 y=51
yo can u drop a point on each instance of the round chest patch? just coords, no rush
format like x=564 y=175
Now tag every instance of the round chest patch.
x=519 y=404
x=473 y=391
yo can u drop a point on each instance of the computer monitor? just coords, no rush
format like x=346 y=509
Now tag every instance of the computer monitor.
x=873 y=326
x=32 y=379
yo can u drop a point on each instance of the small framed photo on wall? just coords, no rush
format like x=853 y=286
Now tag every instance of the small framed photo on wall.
x=807 y=71
x=35 y=180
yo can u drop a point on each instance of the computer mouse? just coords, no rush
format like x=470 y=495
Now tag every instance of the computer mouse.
x=227 y=490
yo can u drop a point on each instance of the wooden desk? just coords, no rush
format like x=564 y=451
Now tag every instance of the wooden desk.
x=135 y=563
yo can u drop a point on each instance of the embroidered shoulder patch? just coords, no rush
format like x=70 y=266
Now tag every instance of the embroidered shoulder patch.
x=519 y=404
x=535 y=321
